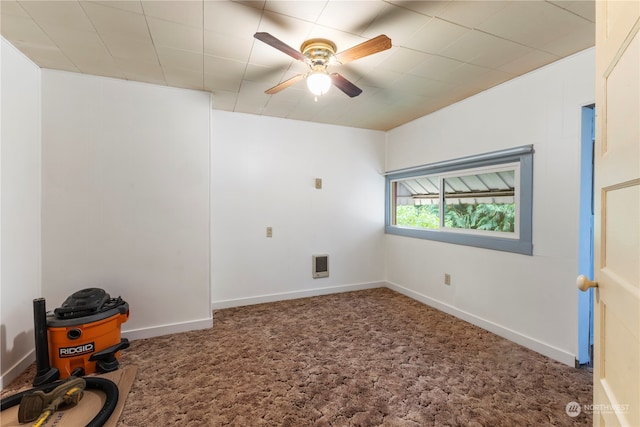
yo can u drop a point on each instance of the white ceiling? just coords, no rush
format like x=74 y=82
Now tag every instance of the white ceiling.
x=443 y=51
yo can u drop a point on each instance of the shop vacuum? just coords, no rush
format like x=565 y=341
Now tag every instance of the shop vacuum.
x=80 y=337
x=84 y=334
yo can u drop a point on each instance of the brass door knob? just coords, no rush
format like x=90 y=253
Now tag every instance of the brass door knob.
x=584 y=283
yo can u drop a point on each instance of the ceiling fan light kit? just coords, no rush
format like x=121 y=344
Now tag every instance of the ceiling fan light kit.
x=318 y=54
x=318 y=82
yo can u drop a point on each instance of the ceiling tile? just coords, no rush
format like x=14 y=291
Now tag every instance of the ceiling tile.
x=99 y=66
x=289 y=30
x=223 y=100
x=308 y=10
x=436 y=35
x=109 y=20
x=46 y=56
x=257 y=4
x=170 y=34
x=282 y=105
x=464 y=74
x=429 y=8
x=142 y=71
x=176 y=58
x=436 y=67
x=79 y=44
x=582 y=37
x=345 y=15
x=216 y=83
x=402 y=60
x=483 y=78
x=68 y=14
x=23 y=29
x=187 y=79
x=420 y=86
x=484 y=49
x=227 y=46
x=188 y=13
x=126 y=48
x=128 y=5
x=268 y=76
x=470 y=13
x=364 y=66
x=397 y=23
x=251 y=98
x=231 y=18
x=11 y=7
x=532 y=23
x=380 y=78
x=530 y=61
x=586 y=9
x=226 y=70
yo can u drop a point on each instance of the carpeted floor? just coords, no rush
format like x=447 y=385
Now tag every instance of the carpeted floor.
x=366 y=358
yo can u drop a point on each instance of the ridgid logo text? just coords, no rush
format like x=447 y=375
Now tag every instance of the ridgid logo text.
x=76 y=350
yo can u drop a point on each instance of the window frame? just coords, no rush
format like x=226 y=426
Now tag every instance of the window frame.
x=521 y=244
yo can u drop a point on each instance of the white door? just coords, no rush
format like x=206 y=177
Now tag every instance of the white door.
x=616 y=371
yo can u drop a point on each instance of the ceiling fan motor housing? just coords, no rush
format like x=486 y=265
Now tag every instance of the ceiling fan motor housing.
x=318 y=51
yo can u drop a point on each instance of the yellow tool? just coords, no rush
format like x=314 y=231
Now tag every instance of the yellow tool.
x=38 y=406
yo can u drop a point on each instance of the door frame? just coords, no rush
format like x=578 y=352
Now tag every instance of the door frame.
x=585 y=238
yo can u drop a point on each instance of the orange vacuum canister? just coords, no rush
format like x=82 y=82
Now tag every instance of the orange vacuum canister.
x=84 y=333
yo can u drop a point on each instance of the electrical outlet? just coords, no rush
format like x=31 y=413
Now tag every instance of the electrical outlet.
x=447 y=279
x=269 y=232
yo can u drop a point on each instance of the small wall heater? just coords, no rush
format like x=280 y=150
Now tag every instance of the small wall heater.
x=320 y=266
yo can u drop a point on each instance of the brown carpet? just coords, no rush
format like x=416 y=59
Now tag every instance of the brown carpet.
x=367 y=358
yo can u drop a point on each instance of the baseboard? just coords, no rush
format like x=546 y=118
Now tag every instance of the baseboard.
x=174 y=328
x=525 y=341
x=261 y=299
x=17 y=369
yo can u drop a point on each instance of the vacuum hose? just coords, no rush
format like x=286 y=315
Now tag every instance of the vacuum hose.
x=107 y=386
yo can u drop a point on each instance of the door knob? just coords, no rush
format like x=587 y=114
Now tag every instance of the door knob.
x=584 y=283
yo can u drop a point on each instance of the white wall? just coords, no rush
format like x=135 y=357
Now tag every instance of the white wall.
x=263 y=175
x=20 y=209
x=125 y=198
x=530 y=299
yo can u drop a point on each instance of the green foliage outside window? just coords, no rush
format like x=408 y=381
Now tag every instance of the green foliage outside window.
x=483 y=216
x=421 y=216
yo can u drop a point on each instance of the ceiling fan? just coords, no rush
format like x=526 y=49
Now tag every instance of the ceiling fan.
x=318 y=54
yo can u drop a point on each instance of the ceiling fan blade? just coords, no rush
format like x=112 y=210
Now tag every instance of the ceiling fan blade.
x=375 y=45
x=280 y=45
x=285 y=84
x=345 y=85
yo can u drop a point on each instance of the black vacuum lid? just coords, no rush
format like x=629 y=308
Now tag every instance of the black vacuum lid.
x=86 y=302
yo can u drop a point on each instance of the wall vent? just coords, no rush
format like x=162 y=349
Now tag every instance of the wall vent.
x=320 y=266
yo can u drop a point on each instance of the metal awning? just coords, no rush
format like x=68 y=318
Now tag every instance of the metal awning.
x=488 y=187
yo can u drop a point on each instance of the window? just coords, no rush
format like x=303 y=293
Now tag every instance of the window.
x=483 y=201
